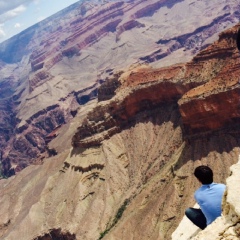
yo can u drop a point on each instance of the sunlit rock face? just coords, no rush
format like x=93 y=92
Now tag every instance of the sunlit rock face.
x=207 y=91
x=219 y=97
x=53 y=68
x=124 y=164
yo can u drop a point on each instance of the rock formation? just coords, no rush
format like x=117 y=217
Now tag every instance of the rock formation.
x=206 y=89
x=128 y=174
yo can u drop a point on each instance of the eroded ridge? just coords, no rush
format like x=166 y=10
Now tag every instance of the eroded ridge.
x=207 y=91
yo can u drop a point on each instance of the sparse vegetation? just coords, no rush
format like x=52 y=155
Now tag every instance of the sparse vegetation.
x=2 y=175
x=116 y=219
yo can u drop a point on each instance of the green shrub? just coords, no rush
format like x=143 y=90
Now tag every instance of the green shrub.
x=116 y=219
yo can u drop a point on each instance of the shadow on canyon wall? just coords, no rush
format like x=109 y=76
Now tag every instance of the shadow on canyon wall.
x=198 y=144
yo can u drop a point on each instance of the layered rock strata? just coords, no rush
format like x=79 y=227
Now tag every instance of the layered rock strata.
x=145 y=169
x=67 y=56
x=220 y=96
x=111 y=117
x=206 y=89
x=28 y=143
x=129 y=173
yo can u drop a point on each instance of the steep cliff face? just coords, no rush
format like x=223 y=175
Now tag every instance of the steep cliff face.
x=151 y=88
x=65 y=58
x=143 y=172
x=220 y=94
x=129 y=171
x=206 y=89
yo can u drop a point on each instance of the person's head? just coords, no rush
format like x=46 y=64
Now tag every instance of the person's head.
x=204 y=174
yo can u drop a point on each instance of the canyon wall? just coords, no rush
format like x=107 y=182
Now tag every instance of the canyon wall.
x=206 y=89
x=49 y=71
x=129 y=172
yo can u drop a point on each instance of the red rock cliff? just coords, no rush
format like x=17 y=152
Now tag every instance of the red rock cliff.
x=206 y=89
x=215 y=103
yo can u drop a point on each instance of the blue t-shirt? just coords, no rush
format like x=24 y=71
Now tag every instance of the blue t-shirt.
x=209 y=198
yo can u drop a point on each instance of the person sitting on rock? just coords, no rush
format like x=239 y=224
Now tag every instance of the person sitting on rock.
x=209 y=198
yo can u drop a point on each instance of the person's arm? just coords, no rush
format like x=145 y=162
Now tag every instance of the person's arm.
x=196 y=198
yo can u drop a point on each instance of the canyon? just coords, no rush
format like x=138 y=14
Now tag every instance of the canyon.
x=106 y=112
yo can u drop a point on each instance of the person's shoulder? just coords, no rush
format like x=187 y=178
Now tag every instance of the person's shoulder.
x=220 y=185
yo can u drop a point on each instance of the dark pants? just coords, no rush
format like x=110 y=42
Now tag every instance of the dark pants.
x=197 y=217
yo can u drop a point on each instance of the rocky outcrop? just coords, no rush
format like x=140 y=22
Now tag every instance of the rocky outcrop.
x=128 y=26
x=39 y=78
x=219 y=97
x=147 y=94
x=206 y=101
x=108 y=88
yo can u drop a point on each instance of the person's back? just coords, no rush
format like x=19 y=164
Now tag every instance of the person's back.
x=209 y=198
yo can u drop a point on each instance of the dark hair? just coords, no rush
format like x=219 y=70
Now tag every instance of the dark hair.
x=204 y=174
